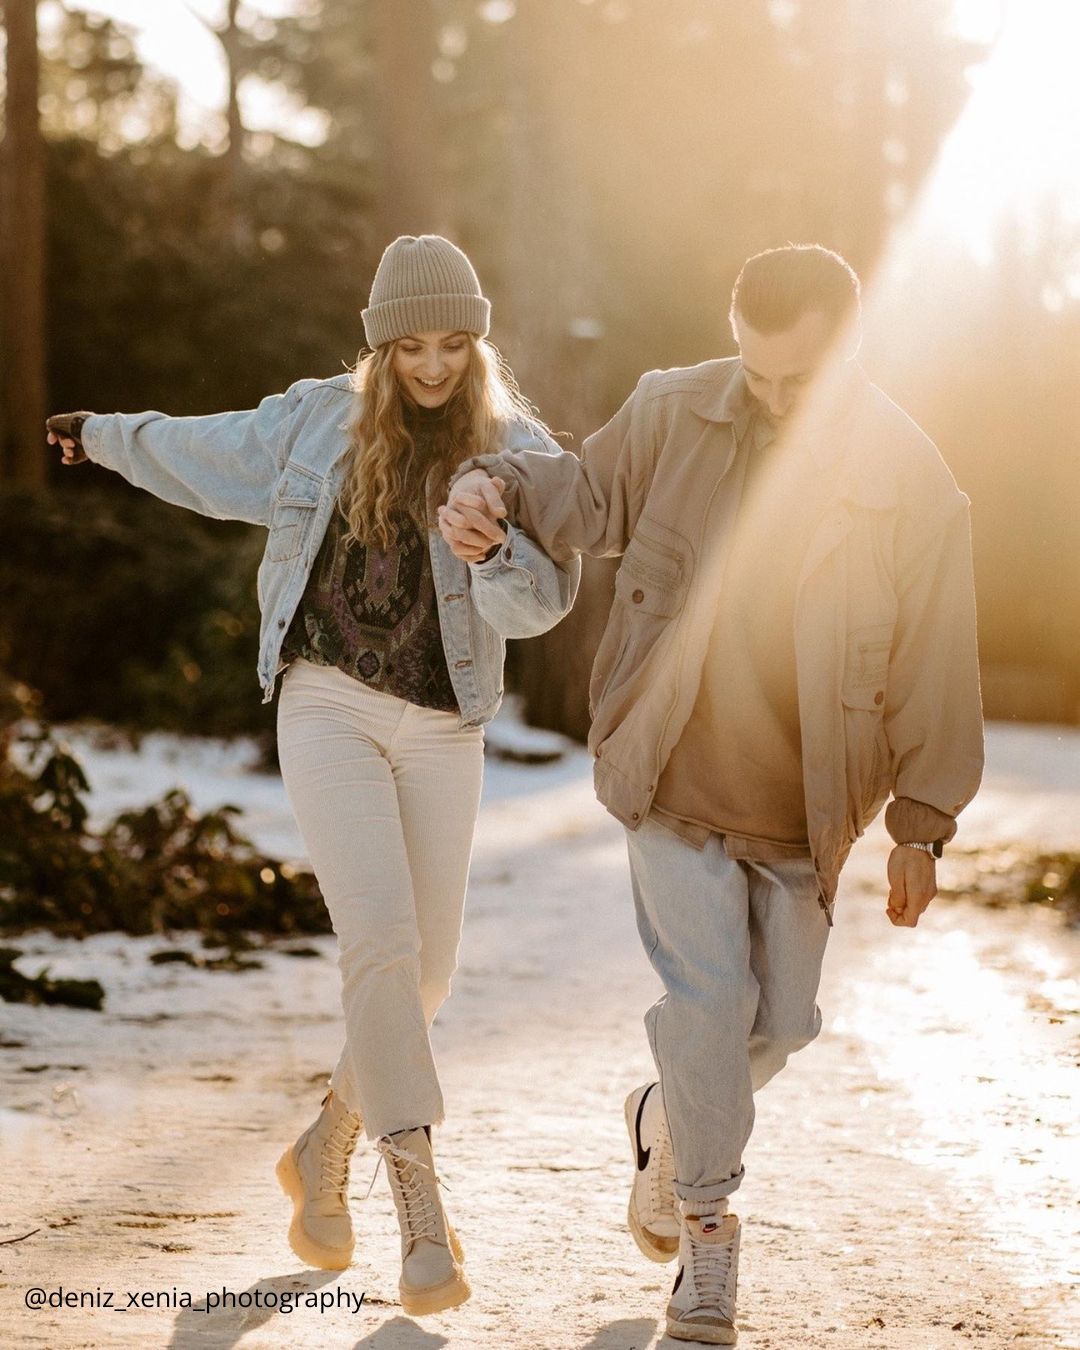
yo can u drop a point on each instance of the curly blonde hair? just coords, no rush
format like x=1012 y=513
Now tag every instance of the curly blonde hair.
x=386 y=476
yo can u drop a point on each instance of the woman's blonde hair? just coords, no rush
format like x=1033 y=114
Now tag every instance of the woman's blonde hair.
x=385 y=475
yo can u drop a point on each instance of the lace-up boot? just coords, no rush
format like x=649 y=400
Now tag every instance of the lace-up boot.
x=702 y=1306
x=431 y=1275
x=314 y=1173
x=651 y=1214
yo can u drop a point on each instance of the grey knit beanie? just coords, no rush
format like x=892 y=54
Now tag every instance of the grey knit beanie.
x=424 y=284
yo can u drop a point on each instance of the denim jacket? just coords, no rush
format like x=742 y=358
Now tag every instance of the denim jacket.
x=281 y=465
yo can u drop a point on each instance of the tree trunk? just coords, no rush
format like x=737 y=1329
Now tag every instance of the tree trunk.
x=229 y=185
x=550 y=299
x=409 y=128
x=23 y=173
x=234 y=155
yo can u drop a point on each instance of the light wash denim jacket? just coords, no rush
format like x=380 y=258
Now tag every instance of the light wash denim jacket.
x=281 y=465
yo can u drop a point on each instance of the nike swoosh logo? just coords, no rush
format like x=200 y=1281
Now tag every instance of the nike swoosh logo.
x=643 y=1154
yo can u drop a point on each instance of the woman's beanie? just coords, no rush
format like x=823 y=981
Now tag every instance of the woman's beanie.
x=424 y=284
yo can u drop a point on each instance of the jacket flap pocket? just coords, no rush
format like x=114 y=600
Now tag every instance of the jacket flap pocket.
x=653 y=576
x=866 y=666
x=647 y=587
x=297 y=486
x=293 y=513
x=662 y=543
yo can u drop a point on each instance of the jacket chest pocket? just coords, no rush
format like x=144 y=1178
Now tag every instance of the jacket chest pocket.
x=293 y=514
x=650 y=588
x=866 y=666
x=654 y=572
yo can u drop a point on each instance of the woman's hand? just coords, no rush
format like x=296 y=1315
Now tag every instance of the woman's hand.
x=470 y=520
x=65 y=430
x=478 y=482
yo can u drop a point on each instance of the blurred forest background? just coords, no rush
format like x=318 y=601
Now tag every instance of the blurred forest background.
x=608 y=165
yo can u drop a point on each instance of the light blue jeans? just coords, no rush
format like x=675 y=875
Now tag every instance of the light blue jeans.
x=739 y=947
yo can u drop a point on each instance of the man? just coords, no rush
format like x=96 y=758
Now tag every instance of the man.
x=792 y=639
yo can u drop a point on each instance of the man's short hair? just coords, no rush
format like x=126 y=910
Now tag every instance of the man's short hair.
x=776 y=288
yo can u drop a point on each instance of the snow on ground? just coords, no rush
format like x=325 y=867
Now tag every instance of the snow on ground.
x=912 y=1180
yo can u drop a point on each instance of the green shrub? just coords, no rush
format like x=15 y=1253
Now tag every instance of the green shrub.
x=119 y=607
x=153 y=870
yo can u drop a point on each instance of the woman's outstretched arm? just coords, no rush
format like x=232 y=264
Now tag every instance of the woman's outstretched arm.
x=225 y=465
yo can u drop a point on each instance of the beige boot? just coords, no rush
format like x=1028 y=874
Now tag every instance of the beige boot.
x=314 y=1173
x=431 y=1275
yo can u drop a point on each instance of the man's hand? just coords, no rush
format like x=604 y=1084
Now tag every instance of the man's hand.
x=912 y=885
x=470 y=520
x=65 y=430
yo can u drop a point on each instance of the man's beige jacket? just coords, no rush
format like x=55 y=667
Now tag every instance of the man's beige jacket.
x=885 y=641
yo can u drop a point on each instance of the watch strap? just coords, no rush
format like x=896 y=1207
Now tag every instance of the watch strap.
x=934 y=849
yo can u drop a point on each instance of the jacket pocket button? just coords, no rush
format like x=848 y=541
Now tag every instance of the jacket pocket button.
x=637 y=597
x=281 y=623
x=635 y=816
x=879 y=698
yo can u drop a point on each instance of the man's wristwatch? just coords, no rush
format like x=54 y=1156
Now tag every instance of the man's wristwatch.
x=934 y=849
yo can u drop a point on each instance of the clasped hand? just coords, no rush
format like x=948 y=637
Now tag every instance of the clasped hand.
x=469 y=521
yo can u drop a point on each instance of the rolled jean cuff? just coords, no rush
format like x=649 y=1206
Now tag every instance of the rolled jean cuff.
x=717 y=1191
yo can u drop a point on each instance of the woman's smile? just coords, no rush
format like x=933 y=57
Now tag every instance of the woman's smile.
x=430 y=365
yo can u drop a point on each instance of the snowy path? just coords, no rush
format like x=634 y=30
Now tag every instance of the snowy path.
x=909 y=1183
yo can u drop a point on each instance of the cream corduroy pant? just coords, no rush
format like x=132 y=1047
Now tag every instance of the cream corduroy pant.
x=386 y=795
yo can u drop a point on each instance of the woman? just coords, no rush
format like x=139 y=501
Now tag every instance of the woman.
x=393 y=660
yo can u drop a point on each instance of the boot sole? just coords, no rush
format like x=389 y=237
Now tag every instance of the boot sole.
x=309 y=1251
x=422 y=1302
x=703 y=1335
x=658 y=1249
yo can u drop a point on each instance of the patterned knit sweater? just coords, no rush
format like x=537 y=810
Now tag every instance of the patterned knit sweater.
x=372 y=612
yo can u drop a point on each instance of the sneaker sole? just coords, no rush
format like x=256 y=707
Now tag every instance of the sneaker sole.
x=422 y=1302
x=702 y=1334
x=658 y=1249
x=309 y=1251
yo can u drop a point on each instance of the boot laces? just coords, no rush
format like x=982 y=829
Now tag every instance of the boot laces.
x=417 y=1193
x=336 y=1153
x=712 y=1273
